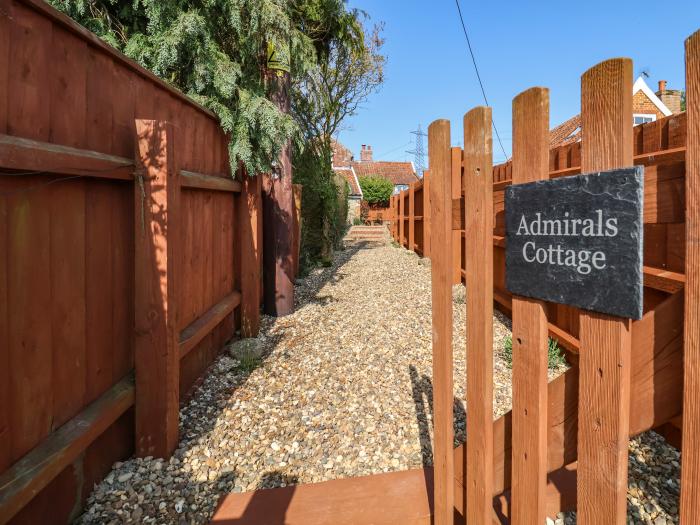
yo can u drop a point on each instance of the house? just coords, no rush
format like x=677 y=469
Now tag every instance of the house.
x=647 y=106
x=401 y=174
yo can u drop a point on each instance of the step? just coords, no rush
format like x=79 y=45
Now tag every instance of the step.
x=393 y=498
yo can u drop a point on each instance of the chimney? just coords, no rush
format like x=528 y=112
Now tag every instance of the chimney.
x=366 y=154
x=670 y=97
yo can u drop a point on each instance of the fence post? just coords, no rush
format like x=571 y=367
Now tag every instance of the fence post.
x=529 y=459
x=426 y=213
x=401 y=214
x=478 y=257
x=690 y=465
x=456 y=174
x=441 y=270
x=249 y=218
x=411 y=217
x=156 y=350
x=604 y=362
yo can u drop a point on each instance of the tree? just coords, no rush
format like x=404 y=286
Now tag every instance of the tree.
x=349 y=70
x=334 y=90
x=376 y=190
x=214 y=51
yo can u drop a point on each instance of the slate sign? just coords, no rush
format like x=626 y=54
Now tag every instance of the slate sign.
x=578 y=241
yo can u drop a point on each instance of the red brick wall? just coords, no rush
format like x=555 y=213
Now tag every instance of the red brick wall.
x=642 y=104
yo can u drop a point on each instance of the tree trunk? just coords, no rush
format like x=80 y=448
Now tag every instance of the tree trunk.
x=279 y=267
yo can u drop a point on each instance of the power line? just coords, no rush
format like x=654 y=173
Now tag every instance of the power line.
x=384 y=154
x=478 y=76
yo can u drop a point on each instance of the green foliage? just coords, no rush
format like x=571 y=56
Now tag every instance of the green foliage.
x=357 y=221
x=325 y=208
x=348 y=71
x=376 y=190
x=683 y=101
x=555 y=356
x=214 y=51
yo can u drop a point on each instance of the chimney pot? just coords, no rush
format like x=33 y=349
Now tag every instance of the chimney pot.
x=662 y=85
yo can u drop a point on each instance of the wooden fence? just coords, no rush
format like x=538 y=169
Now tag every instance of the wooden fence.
x=129 y=257
x=660 y=146
x=565 y=443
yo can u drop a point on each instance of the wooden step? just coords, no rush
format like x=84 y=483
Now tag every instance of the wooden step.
x=384 y=499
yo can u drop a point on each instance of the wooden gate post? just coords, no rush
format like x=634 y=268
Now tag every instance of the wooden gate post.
x=690 y=464
x=529 y=463
x=426 y=213
x=411 y=217
x=156 y=351
x=401 y=217
x=441 y=271
x=604 y=362
x=478 y=257
x=249 y=218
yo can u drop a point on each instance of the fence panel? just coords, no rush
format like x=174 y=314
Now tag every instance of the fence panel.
x=68 y=222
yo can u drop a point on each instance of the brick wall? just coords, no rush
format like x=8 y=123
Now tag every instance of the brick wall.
x=642 y=104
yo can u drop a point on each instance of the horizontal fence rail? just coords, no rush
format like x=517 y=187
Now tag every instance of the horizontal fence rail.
x=118 y=209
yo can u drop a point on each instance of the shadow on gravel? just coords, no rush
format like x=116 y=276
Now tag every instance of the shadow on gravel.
x=422 y=391
x=319 y=277
x=263 y=509
x=180 y=491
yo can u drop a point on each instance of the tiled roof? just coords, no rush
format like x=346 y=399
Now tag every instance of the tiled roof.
x=396 y=172
x=349 y=175
x=566 y=132
x=342 y=156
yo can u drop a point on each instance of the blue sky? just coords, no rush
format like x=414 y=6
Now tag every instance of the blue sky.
x=518 y=44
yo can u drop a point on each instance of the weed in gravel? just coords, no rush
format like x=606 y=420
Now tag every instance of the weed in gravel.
x=555 y=356
x=248 y=362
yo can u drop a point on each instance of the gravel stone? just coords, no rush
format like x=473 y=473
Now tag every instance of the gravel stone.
x=343 y=388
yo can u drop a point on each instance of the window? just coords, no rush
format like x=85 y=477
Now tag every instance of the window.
x=643 y=118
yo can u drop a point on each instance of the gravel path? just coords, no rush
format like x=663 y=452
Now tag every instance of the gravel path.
x=343 y=388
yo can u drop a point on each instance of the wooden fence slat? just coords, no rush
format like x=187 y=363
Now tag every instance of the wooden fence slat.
x=5 y=21
x=30 y=42
x=690 y=465
x=5 y=370
x=441 y=206
x=456 y=173
x=99 y=110
x=530 y=163
x=427 y=214
x=156 y=214
x=68 y=312
x=29 y=293
x=99 y=299
x=604 y=364
x=412 y=218
x=67 y=73
x=478 y=257
x=401 y=218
